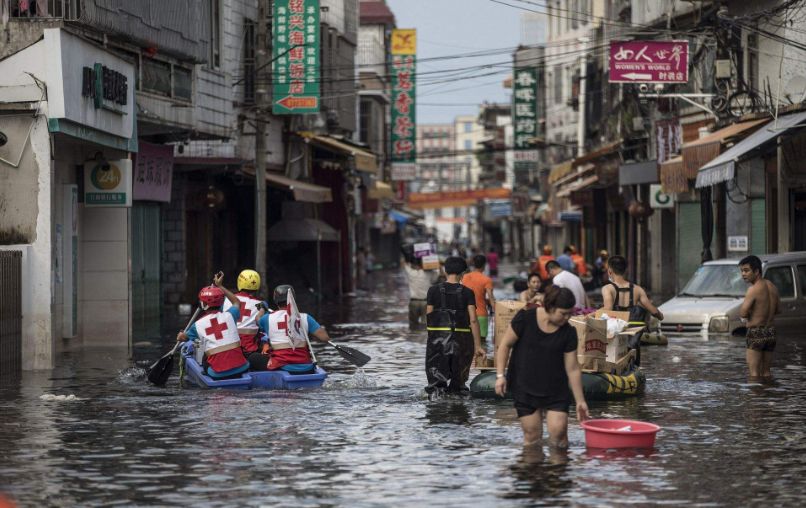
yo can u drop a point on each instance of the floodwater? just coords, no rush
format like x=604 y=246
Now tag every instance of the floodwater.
x=93 y=432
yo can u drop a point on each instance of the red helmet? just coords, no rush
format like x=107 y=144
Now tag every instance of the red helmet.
x=211 y=296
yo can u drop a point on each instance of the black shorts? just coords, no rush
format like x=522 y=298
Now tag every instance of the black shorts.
x=528 y=407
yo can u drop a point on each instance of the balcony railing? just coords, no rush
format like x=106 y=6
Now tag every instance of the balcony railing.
x=45 y=9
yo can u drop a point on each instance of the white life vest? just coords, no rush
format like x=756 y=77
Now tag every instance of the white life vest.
x=217 y=333
x=247 y=324
x=278 y=335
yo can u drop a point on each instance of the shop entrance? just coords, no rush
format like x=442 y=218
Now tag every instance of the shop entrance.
x=146 y=249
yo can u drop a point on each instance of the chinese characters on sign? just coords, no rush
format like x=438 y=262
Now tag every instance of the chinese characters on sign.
x=649 y=61
x=295 y=57
x=153 y=167
x=108 y=183
x=524 y=104
x=404 y=50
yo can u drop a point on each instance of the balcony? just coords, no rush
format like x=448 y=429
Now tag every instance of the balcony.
x=42 y=10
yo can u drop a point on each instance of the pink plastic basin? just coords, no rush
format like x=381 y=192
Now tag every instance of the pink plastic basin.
x=619 y=434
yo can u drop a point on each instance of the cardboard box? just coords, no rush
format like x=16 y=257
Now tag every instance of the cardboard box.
x=598 y=364
x=505 y=310
x=591 y=336
x=430 y=262
x=617 y=347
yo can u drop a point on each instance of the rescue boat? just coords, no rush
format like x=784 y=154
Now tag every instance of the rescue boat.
x=253 y=380
x=595 y=385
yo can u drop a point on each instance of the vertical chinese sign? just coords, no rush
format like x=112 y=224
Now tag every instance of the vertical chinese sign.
x=295 y=57
x=524 y=107
x=403 y=72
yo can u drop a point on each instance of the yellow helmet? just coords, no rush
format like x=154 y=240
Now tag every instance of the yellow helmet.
x=249 y=280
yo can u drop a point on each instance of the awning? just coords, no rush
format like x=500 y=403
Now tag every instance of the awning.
x=602 y=151
x=697 y=154
x=672 y=178
x=302 y=230
x=723 y=168
x=578 y=186
x=364 y=160
x=560 y=170
x=380 y=190
x=302 y=191
x=571 y=215
x=578 y=172
x=637 y=173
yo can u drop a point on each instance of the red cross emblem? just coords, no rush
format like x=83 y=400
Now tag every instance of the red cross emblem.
x=216 y=328
x=245 y=313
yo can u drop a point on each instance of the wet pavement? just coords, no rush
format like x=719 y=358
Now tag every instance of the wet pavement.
x=93 y=433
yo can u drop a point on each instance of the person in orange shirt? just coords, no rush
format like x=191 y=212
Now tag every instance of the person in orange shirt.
x=579 y=262
x=482 y=287
x=540 y=264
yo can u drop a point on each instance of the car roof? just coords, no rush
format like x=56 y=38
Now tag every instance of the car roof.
x=788 y=257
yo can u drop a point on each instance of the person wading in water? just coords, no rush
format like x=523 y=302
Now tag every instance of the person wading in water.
x=622 y=295
x=761 y=304
x=453 y=332
x=542 y=368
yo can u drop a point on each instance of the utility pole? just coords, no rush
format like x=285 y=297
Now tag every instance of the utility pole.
x=261 y=103
x=583 y=99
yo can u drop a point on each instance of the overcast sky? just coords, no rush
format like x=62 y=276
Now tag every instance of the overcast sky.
x=451 y=28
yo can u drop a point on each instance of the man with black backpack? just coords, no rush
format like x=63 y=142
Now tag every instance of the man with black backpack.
x=453 y=331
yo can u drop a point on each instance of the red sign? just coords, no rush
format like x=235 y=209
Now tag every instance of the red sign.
x=649 y=61
x=290 y=102
x=455 y=198
x=153 y=168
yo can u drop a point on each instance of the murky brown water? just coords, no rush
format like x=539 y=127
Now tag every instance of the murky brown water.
x=371 y=439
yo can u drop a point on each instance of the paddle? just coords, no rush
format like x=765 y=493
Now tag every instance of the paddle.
x=353 y=356
x=160 y=371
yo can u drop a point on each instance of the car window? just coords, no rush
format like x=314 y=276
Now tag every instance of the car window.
x=716 y=280
x=802 y=277
x=781 y=276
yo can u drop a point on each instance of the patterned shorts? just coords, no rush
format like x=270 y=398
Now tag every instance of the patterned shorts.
x=761 y=338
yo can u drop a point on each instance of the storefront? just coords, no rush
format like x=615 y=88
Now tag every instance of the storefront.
x=66 y=175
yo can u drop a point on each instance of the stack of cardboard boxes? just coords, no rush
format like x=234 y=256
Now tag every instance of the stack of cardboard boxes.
x=599 y=351
x=596 y=351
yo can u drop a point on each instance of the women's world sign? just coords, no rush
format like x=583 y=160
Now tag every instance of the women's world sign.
x=649 y=61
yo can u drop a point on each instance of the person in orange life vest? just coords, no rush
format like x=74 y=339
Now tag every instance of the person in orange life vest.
x=216 y=332
x=540 y=264
x=579 y=262
x=287 y=329
x=248 y=286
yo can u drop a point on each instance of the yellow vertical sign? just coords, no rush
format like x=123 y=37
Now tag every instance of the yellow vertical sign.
x=404 y=41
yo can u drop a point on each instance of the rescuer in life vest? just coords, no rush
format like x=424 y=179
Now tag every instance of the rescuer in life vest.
x=540 y=264
x=248 y=286
x=287 y=331
x=216 y=332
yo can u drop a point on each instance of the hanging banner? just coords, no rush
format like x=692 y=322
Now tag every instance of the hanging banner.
x=153 y=168
x=648 y=62
x=450 y=199
x=295 y=57
x=524 y=106
x=403 y=72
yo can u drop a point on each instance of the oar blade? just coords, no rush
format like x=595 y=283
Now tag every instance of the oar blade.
x=353 y=356
x=160 y=371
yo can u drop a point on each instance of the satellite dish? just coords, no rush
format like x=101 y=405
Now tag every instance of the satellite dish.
x=795 y=90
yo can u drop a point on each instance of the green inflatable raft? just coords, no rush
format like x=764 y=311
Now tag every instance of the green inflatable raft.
x=597 y=386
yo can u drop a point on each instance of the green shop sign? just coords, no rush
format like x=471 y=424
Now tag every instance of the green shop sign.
x=404 y=123
x=295 y=57
x=524 y=105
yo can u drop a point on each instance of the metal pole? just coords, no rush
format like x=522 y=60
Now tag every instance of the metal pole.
x=261 y=99
x=583 y=70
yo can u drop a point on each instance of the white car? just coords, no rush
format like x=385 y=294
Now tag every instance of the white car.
x=710 y=301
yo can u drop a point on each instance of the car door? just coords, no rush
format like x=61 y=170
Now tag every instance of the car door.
x=801 y=303
x=783 y=277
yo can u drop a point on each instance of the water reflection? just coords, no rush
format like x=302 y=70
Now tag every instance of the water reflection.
x=540 y=476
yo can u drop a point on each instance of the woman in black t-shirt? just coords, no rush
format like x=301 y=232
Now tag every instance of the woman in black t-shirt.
x=542 y=367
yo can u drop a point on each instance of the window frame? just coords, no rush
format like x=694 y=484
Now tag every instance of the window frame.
x=792 y=279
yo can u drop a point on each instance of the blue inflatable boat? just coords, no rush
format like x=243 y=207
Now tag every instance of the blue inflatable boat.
x=254 y=380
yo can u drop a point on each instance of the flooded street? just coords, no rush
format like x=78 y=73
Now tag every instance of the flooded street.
x=370 y=438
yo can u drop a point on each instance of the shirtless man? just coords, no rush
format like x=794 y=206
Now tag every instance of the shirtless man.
x=761 y=304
